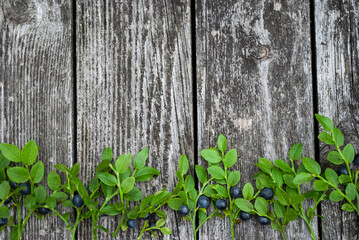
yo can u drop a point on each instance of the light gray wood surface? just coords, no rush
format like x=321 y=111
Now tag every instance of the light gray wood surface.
x=336 y=27
x=36 y=89
x=254 y=86
x=134 y=89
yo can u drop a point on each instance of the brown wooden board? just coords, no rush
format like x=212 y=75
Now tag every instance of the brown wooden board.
x=337 y=34
x=134 y=89
x=36 y=89
x=254 y=86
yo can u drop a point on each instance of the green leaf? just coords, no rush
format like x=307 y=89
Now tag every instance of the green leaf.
x=4 y=190
x=291 y=215
x=244 y=204
x=265 y=165
x=261 y=206
x=302 y=177
x=335 y=196
x=40 y=194
x=288 y=179
x=110 y=210
x=4 y=212
x=30 y=201
x=175 y=203
x=279 y=209
x=18 y=174
x=233 y=178
x=326 y=138
x=344 y=179
x=134 y=195
x=108 y=179
x=335 y=158
x=183 y=164
x=4 y=162
x=139 y=161
x=75 y=169
x=11 y=152
x=159 y=198
x=146 y=173
x=59 y=196
x=123 y=163
x=216 y=172
x=347 y=207
x=222 y=143
x=166 y=231
x=282 y=196
x=51 y=202
x=189 y=183
x=68 y=203
x=230 y=158
x=283 y=165
x=62 y=168
x=211 y=155
x=326 y=123
x=349 y=153
x=53 y=180
x=350 y=191
x=128 y=184
x=160 y=223
x=296 y=151
x=338 y=136
x=201 y=174
x=277 y=176
x=332 y=176
x=248 y=191
x=319 y=185
x=222 y=191
x=311 y=165
x=107 y=154
x=29 y=153
x=37 y=172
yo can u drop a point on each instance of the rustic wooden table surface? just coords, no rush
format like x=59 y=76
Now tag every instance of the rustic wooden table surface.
x=77 y=76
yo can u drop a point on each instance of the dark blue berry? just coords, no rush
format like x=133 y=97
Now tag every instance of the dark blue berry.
x=7 y=201
x=244 y=216
x=131 y=223
x=236 y=192
x=152 y=225
x=184 y=210
x=267 y=193
x=221 y=204
x=3 y=221
x=146 y=217
x=13 y=185
x=27 y=189
x=77 y=201
x=43 y=210
x=343 y=170
x=356 y=160
x=203 y=202
x=263 y=220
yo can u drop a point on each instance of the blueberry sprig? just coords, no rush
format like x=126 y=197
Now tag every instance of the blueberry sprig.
x=20 y=175
x=342 y=184
x=220 y=162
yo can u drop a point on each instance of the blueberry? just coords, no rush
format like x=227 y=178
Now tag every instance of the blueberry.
x=267 y=193
x=203 y=202
x=263 y=220
x=184 y=210
x=221 y=204
x=131 y=223
x=356 y=160
x=27 y=189
x=244 y=216
x=7 y=201
x=3 y=221
x=13 y=185
x=152 y=224
x=146 y=217
x=43 y=210
x=236 y=192
x=77 y=201
x=343 y=170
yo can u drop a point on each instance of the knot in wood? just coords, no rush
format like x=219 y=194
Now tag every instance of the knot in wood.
x=259 y=52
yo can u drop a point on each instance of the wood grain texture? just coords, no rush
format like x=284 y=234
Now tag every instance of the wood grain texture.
x=36 y=89
x=134 y=89
x=337 y=42
x=254 y=86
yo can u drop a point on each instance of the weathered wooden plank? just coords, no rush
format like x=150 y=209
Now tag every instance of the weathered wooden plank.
x=337 y=45
x=36 y=88
x=254 y=86
x=134 y=90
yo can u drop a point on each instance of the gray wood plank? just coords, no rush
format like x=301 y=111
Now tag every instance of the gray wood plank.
x=254 y=86
x=134 y=90
x=36 y=89
x=337 y=44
